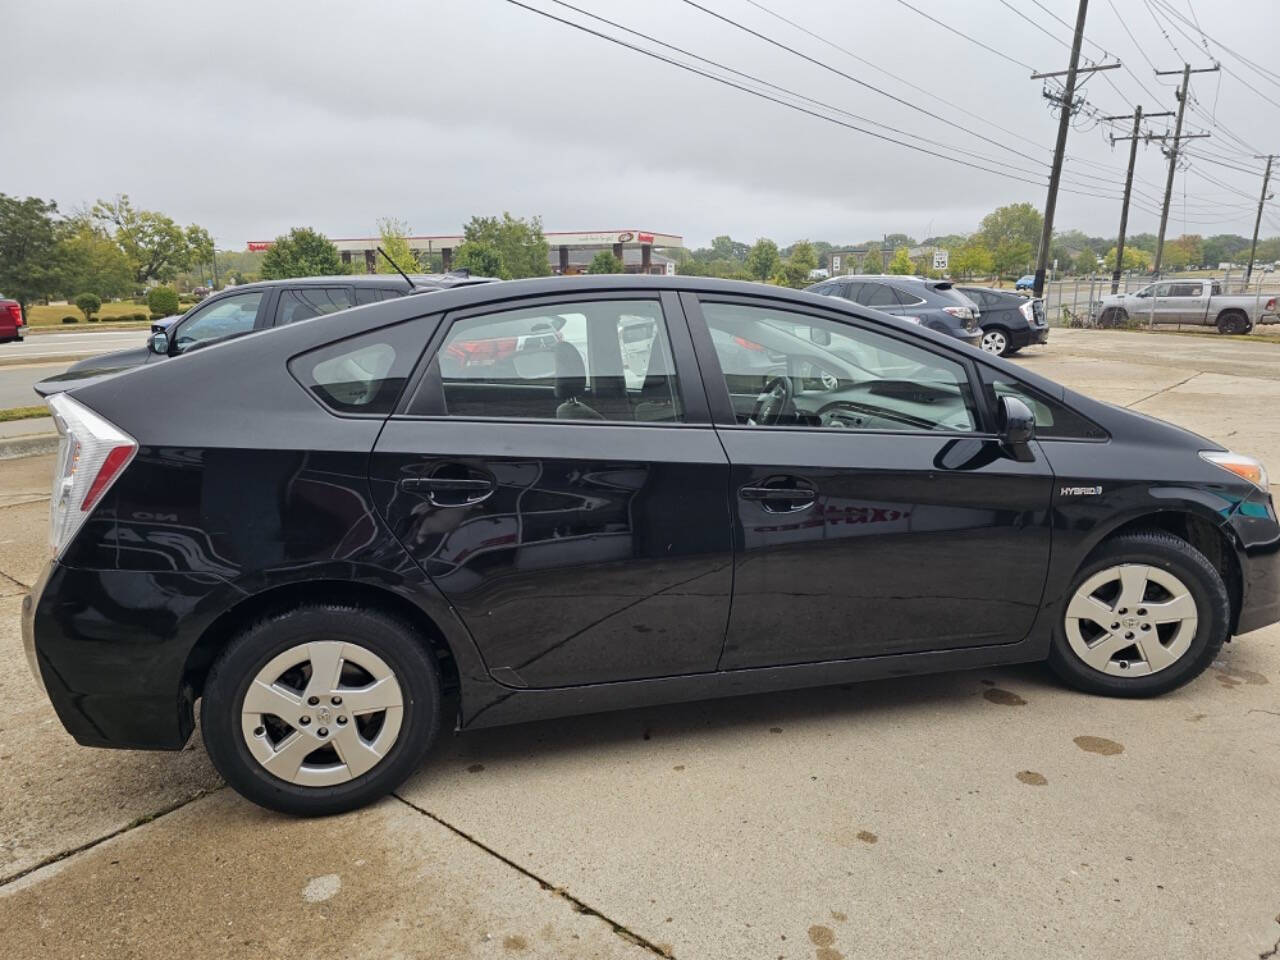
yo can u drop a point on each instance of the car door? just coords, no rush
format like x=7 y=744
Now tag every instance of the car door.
x=571 y=503
x=1163 y=306
x=875 y=512
x=1187 y=302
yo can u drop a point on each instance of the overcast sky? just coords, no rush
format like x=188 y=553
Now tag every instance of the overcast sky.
x=250 y=118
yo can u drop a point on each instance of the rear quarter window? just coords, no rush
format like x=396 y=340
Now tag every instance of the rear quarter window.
x=364 y=374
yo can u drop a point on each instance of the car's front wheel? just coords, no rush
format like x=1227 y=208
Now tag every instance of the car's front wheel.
x=321 y=708
x=995 y=340
x=1146 y=613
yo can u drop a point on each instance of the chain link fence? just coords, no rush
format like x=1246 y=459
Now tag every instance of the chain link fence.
x=1076 y=301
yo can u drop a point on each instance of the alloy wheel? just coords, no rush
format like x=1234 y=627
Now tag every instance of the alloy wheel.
x=322 y=713
x=994 y=341
x=1131 y=619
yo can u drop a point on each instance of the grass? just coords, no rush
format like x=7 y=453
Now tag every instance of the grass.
x=51 y=316
x=23 y=413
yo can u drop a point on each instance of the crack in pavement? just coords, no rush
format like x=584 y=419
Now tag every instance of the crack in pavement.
x=1268 y=954
x=1172 y=386
x=90 y=844
x=15 y=581
x=578 y=905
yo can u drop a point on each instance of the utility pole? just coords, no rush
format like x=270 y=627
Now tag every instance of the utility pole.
x=1186 y=72
x=1253 y=247
x=1128 y=187
x=1064 y=123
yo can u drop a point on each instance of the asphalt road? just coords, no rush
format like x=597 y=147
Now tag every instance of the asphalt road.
x=44 y=354
x=988 y=814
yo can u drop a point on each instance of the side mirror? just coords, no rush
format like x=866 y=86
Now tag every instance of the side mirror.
x=159 y=342
x=821 y=337
x=1017 y=427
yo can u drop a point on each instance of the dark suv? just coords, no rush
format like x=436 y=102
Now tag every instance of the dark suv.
x=256 y=306
x=1010 y=321
x=935 y=304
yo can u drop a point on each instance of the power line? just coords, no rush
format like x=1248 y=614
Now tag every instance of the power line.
x=1052 y=36
x=1169 y=9
x=784 y=103
x=1225 y=69
x=1095 y=45
x=960 y=33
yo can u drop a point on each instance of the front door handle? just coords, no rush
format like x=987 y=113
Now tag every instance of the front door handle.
x=445 y=491
x=781 y=494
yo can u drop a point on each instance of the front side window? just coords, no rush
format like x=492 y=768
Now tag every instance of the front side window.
x=590 y=360
x=303 y=303
x=362 y=374
x=1161 y=289
x=1054 y=421
x=785 y=369
x=222 y=318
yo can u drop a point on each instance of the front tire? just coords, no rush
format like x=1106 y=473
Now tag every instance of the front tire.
x=1114 y=318
x=1144 y=614
x=996 y=340
x=321 y=709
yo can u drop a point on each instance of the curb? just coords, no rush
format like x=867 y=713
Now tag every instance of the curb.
x=32 y=445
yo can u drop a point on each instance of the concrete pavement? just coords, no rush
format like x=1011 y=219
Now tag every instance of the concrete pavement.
x=983 y=814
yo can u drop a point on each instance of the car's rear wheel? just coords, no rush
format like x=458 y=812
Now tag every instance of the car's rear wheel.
x=1146 y=613
x=321 y=708
x=995 y=340
x=1114 y=317
x=1233 y=322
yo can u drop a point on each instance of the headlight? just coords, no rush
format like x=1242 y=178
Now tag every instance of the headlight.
x=1242 y=466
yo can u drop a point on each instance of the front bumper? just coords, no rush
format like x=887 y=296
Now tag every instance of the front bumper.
x=1257 y=534
x=111 y=650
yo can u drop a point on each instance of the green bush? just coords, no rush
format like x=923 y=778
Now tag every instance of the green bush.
x=162 y=301
x=70 y=319
x=88 y=304
x=140 y=317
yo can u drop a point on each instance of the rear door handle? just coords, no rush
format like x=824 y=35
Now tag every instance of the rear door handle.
x=777 y=493
x=781 y=494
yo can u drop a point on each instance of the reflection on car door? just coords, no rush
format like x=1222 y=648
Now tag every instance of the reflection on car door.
x=874 y=516
x=570 y=499
x=1162 y=307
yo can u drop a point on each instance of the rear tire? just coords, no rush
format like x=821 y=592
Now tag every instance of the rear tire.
x=1233 y=323
x=1114 y=318
x=1161 y=591
x=996 y=340
x=345 y=704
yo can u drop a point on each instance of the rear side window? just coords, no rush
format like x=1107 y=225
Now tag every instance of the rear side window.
x=363 y=374
x=375 y=294
x=302 y=303
x=878 y=295
x=906 y=298
x=597 y=360
x=1054 y=421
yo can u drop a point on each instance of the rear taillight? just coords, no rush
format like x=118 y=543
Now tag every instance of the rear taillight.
x=1271 y=305
x=1027 y=310
x=92 y=453
x=15 y=313
x=960 y=313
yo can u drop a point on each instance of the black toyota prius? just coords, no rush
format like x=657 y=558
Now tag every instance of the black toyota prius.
x=569 y=495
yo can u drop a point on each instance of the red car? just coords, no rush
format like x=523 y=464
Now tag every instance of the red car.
x=12 y=326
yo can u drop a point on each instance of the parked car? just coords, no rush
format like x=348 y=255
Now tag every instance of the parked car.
x=1010 y=321
x=318 y=554
x=1025 y=282
x=1195 y=302
x=256 y=306
x=12 y=324
x=933 y=304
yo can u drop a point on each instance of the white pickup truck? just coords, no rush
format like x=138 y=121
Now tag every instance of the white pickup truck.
x=1199 y=302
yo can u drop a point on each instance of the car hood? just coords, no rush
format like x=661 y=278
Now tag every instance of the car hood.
x=93 y=370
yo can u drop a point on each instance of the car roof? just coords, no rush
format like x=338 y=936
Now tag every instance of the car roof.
x=368 y=280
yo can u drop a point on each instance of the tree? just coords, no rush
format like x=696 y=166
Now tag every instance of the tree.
x=901 y=263
x=199 y=247
x=1085 y=263
x=1135 y=258
x=157 y=247
x=896 y=240
x=1009 y=226
x=480 y=258
x=795 y=271
x=763 y=259
x=302 y=252
x=972 y=258
x=1012 y=257
x=92 y=262
x=873 y=260
x=394 y=235
x=88 y=304
x=725 y=247
x=605 y=262
x=30 y=262
x=519 y=244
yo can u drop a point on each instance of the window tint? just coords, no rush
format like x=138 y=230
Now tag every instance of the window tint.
x=302 y=303
x=833 y=374
x=879 y=295
x=363 y=374
x=221 y=318
x=1053 y=420
x=853 y=291
x=1185 y=290
x=906 y=298
x=375 y=294
x=589 y=360
x=1161 y=289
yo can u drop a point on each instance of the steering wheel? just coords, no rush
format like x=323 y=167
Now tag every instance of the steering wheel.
x=772 y=402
